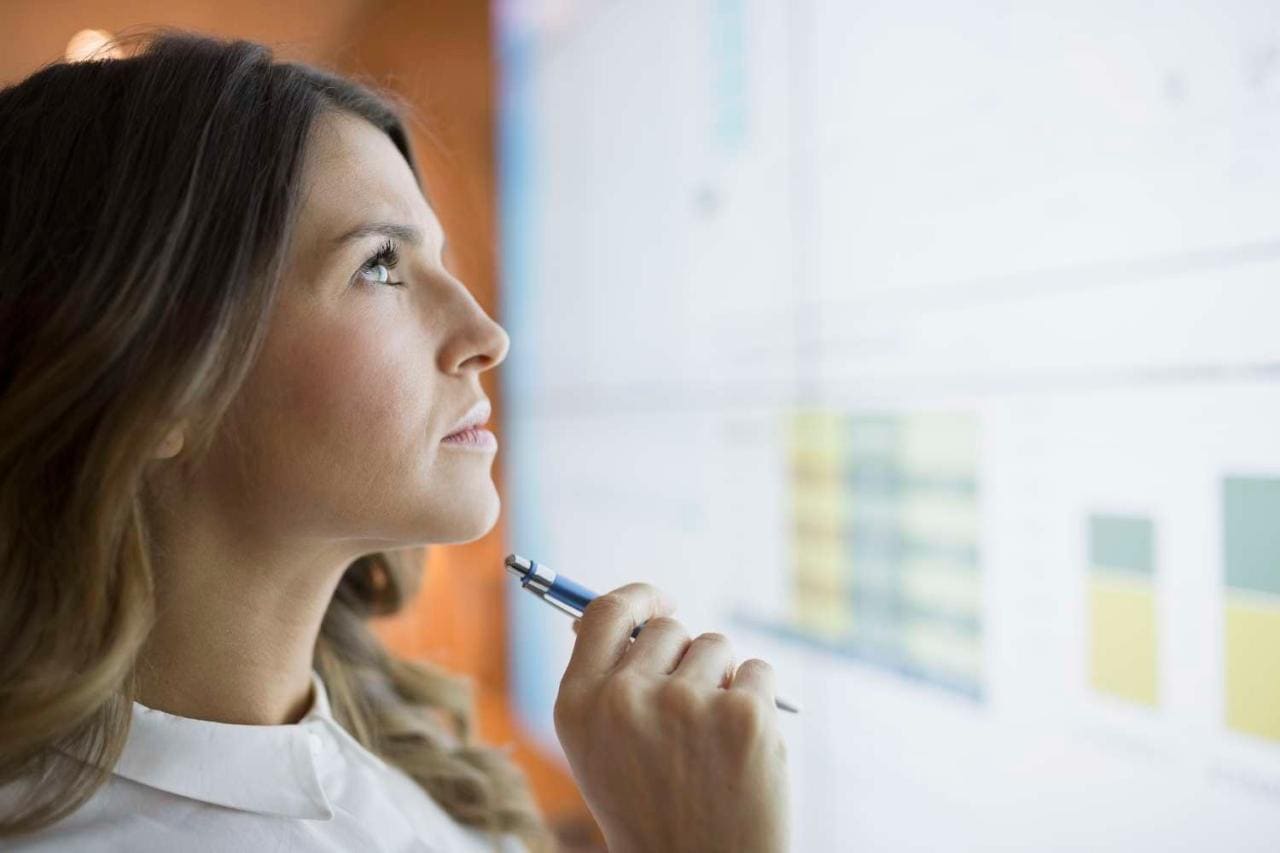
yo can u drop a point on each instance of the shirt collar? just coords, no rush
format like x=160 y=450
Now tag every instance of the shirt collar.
x=266 y=769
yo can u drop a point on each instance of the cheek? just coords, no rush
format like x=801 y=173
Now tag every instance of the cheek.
x=356 y=398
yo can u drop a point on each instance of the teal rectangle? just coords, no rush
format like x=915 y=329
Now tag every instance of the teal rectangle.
x=1122 y=542
x=1251 y=533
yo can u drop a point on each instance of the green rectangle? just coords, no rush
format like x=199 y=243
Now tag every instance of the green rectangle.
x=1122 y=542
x=1251 y=533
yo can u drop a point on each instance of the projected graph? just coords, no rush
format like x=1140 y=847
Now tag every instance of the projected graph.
x=885 y=536
x=1251 y=541
x=1122 y=608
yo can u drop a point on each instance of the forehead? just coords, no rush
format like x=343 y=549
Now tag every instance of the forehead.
x=353 y=174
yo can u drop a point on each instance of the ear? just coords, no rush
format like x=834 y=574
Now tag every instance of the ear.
x=173 y=442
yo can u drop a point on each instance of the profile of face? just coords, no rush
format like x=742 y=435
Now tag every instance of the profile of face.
x=335 y=439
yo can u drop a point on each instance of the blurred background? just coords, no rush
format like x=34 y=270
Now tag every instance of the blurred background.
x=926 y=349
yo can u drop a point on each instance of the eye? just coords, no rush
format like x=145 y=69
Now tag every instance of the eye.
x=385 y=258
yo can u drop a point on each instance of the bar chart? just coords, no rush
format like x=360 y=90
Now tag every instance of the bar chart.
x=885 y=529
x=1122 y=613
x=1251 y=557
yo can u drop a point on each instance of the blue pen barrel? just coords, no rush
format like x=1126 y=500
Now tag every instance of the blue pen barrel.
x=578 y=596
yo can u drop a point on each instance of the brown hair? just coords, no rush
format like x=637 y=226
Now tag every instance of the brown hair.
x=145 y=212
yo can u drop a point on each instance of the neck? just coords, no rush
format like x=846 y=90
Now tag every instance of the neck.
x=234 y=639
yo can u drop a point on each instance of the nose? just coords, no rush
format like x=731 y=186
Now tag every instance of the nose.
x=477 y=341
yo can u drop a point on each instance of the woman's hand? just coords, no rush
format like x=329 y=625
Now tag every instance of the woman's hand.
x=673 y=750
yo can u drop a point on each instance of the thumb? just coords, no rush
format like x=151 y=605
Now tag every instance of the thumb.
x=576 y=623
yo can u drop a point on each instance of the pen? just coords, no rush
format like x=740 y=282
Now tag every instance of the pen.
x=572 y=598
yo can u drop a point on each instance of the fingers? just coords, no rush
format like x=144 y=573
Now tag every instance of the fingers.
x=755 y=676
x=604 y=632
x=658 y=648
x=709 y=660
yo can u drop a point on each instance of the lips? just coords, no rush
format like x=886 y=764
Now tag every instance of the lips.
x=474 y=437
x=476 y=416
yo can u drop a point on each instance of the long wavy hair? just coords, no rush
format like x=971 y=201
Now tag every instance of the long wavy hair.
x=146 y=204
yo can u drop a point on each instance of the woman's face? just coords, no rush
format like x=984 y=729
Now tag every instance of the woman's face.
x=337 y=434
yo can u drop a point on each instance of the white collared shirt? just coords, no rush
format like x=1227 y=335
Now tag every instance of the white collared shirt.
x=194 y=785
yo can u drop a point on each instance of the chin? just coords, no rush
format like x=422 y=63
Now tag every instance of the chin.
x=467 y=521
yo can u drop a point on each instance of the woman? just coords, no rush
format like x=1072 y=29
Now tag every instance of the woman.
x=230 y=356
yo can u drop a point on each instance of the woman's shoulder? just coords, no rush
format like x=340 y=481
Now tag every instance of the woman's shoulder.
x=105 y=821
x=125 y=814
x=121 y=814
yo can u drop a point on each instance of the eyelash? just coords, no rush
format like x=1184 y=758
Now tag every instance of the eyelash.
x=385 y=256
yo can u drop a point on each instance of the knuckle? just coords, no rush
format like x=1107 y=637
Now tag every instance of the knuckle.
x=648 y=592
x=666 y=623
x=677 y=697
x=713 y=637
x=607 y=606
x=638 y=598
x=743 y=716
x=636 y=589
x=620 y=697
x=758 y=665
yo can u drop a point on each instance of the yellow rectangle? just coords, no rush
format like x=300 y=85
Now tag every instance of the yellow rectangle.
x=1253 y=666
x=818 y=440
x=1122 y=633
x=821 y=560
x=818 y=506
x=821 y=598
x=825 y=615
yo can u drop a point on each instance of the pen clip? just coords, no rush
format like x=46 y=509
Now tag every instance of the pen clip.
x=560 y=605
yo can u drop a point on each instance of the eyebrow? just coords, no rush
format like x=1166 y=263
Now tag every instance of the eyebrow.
x=407 y=233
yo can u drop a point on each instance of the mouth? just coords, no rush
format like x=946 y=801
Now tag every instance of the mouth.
x=475 y=437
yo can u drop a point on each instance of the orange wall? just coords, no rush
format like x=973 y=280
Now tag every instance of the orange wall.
x=436 y=53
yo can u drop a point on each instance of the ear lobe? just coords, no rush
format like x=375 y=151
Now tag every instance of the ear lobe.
x=172 y=443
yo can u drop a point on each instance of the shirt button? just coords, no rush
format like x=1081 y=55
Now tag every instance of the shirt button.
x=316 y=746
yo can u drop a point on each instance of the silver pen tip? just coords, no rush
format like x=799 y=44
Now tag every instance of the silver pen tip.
x=517 y=565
